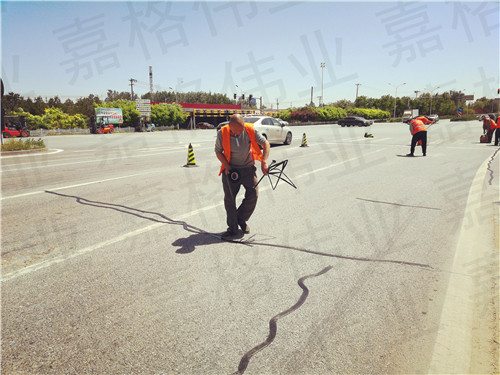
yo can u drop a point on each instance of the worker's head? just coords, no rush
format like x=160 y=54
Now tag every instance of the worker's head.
x=236 y=124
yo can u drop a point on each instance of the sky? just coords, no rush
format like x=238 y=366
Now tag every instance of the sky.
x=273 y=50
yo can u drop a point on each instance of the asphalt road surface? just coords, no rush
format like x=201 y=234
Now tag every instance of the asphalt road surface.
x=375 y=263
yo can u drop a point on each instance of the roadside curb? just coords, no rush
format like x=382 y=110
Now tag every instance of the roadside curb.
x=23 y=152
x=464 y=308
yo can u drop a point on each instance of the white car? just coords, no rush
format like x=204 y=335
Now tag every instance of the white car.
x=272 y=129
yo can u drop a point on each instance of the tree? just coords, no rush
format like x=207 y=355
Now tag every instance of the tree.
x=86 y=105
x=115 y=95
x=167 y=114
x=344 y=103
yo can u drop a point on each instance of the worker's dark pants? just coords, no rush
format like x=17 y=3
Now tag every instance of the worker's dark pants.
x=419 y=136
x=497 y=136
x=240 y=215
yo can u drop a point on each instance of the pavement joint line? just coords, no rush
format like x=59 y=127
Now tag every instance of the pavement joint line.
x=88 y=249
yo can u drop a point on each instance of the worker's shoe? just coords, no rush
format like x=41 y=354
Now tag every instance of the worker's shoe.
x=424 y=153
x=228 y=234
x=410 y=155
x=245 y=228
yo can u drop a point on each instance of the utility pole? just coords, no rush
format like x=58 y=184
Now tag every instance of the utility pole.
x=430 y=105
x=132 y=81
x=312 y=91
x=322 y=71
x=151 y=83
x=357 y=87
x=416 y=93
x=277 y=105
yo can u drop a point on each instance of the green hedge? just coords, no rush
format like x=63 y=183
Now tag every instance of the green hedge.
x=370 y=114
x=329 y=113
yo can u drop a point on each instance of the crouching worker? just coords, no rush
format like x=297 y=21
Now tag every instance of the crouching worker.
x=419 y=133
x=237 y=148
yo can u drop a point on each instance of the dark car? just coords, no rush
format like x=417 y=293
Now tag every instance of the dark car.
x=204 y=125
x=354 y=121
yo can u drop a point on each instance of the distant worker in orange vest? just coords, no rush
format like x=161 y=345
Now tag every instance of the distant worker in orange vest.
x=237 y=148
x=497 y=131
x=419 y=133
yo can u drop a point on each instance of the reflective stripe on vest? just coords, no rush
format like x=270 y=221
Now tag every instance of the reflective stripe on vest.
x=418 y=126
x=226 y=143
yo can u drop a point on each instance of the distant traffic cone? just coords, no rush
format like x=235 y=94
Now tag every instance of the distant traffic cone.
x=190 y=160
x=304 y=141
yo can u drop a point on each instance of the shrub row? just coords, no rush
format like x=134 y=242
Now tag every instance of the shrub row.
x=20 y=145
x=329 y=113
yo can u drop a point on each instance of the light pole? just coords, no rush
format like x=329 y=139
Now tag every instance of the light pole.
x=430 y=105
x=396 y=97
x=175 y=90
x=322 y=68
x=242 y=93
x=175 y=93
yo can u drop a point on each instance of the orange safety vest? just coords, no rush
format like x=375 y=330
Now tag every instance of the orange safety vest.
x=492 y=124
x=424 y=119
x=226 y=143
x=417 y=126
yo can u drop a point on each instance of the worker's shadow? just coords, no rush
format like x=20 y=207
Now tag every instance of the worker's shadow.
x=187 y=245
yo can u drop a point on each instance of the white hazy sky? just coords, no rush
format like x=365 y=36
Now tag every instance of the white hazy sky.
x=269 y=49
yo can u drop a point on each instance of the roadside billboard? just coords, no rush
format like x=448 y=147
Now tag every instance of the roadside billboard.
x=114 y=115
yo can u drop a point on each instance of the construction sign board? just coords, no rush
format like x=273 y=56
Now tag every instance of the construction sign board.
x=113 y=115
x=143 y=106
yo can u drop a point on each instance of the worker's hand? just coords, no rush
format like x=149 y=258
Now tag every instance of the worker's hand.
x=264 y=167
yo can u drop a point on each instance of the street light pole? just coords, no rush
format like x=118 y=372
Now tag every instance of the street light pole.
x=175 y=93
x=322 y=68
x=430 y=105
x=396 y=97
x=241 y=91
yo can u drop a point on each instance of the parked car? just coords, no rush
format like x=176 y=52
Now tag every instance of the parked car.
x=433 y=118
x=283 y=122
x=205 y=125
x=272 y=129
x=354 y=121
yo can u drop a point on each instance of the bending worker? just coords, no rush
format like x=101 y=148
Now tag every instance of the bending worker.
x=497 y=131
x=237 y=148
x=419 y=133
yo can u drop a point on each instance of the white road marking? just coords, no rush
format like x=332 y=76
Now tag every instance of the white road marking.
x=50 y=152
x=63 y=258
x=86 y=161
x=72 y=186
